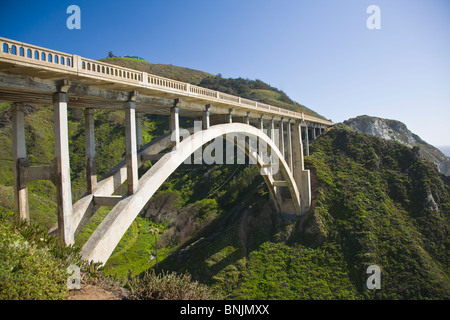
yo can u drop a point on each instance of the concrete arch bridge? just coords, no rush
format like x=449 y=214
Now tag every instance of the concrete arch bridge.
x=273 y=138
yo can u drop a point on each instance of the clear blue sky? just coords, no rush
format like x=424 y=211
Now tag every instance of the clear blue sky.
x=319 y=52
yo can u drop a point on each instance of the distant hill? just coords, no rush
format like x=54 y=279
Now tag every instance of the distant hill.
x=251 y=89
x=445 y=150
x=397 y=131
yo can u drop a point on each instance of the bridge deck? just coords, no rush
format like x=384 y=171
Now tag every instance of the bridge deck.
x=31 y=74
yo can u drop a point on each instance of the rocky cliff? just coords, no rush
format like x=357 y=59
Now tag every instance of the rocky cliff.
x=397 y=131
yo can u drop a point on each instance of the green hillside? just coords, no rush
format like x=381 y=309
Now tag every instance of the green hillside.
x=375 y=202
x=251 y=89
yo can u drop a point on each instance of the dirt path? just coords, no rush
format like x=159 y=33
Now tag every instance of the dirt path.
x=90 y=292
x=103 y=290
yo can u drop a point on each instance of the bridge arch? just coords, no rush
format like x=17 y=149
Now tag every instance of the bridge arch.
x=105 y=238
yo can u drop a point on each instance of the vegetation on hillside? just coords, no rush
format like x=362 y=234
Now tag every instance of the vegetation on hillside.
x=251 y=89
x=33 y=265
x=255 y=90
x=386 y=205
x=376 y=203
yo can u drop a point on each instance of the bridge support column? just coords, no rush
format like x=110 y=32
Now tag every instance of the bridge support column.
x=281 y=137
x=301 y=176
x=289 y=144
x=139 y=131
x=247 y=118
x=19 y=152
x=206 y=117
x=230 y=116
x=272 y=130
x=62 y=162
x=261 y=123
x=276 y=189
x=91 y=174
x=313 y=133
x=306 y=140
x=131 y=141
x=175 y=123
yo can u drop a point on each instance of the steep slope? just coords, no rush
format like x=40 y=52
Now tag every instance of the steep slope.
x=397 y=131
x=384 y=204
x=376 y=202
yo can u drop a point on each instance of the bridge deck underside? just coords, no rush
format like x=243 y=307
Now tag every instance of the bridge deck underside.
x=36 y=86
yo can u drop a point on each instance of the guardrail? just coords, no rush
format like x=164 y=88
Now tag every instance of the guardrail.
x=19 y=51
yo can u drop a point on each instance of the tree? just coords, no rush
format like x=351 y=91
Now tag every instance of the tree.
x=111 y=55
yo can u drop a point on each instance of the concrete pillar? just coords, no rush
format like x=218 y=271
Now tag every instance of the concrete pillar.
x=91 y=173
x=306 y=140
x=62 y=162
x=289 y=144
x=313 y=133
x=272 y=130
x=131 y=141
x=261 y=123
x=301 y=176
x=276 y=189
x=175 y=125
x=19 y=152
x=281 y=137
x=297 y=147
x=230 y=117
x=247 y=118
x=139 y=131
x=206 y=117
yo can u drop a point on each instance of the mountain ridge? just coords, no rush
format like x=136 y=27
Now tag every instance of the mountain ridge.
x=396 y=130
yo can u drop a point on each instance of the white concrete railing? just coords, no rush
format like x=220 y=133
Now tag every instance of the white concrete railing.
x=36 y=55
x=51 y=59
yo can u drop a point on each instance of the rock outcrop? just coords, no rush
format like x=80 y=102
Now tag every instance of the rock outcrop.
x=396 y=130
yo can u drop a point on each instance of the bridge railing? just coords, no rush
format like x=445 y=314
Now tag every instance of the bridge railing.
x=229 y=97
x=208 y=93
x=106 y=70
x=28 y=53
x=51 y=59
x=164 y=82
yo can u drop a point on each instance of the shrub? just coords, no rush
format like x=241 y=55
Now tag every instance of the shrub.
x=33 y=265
x=167 y=286
x=28 y=272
